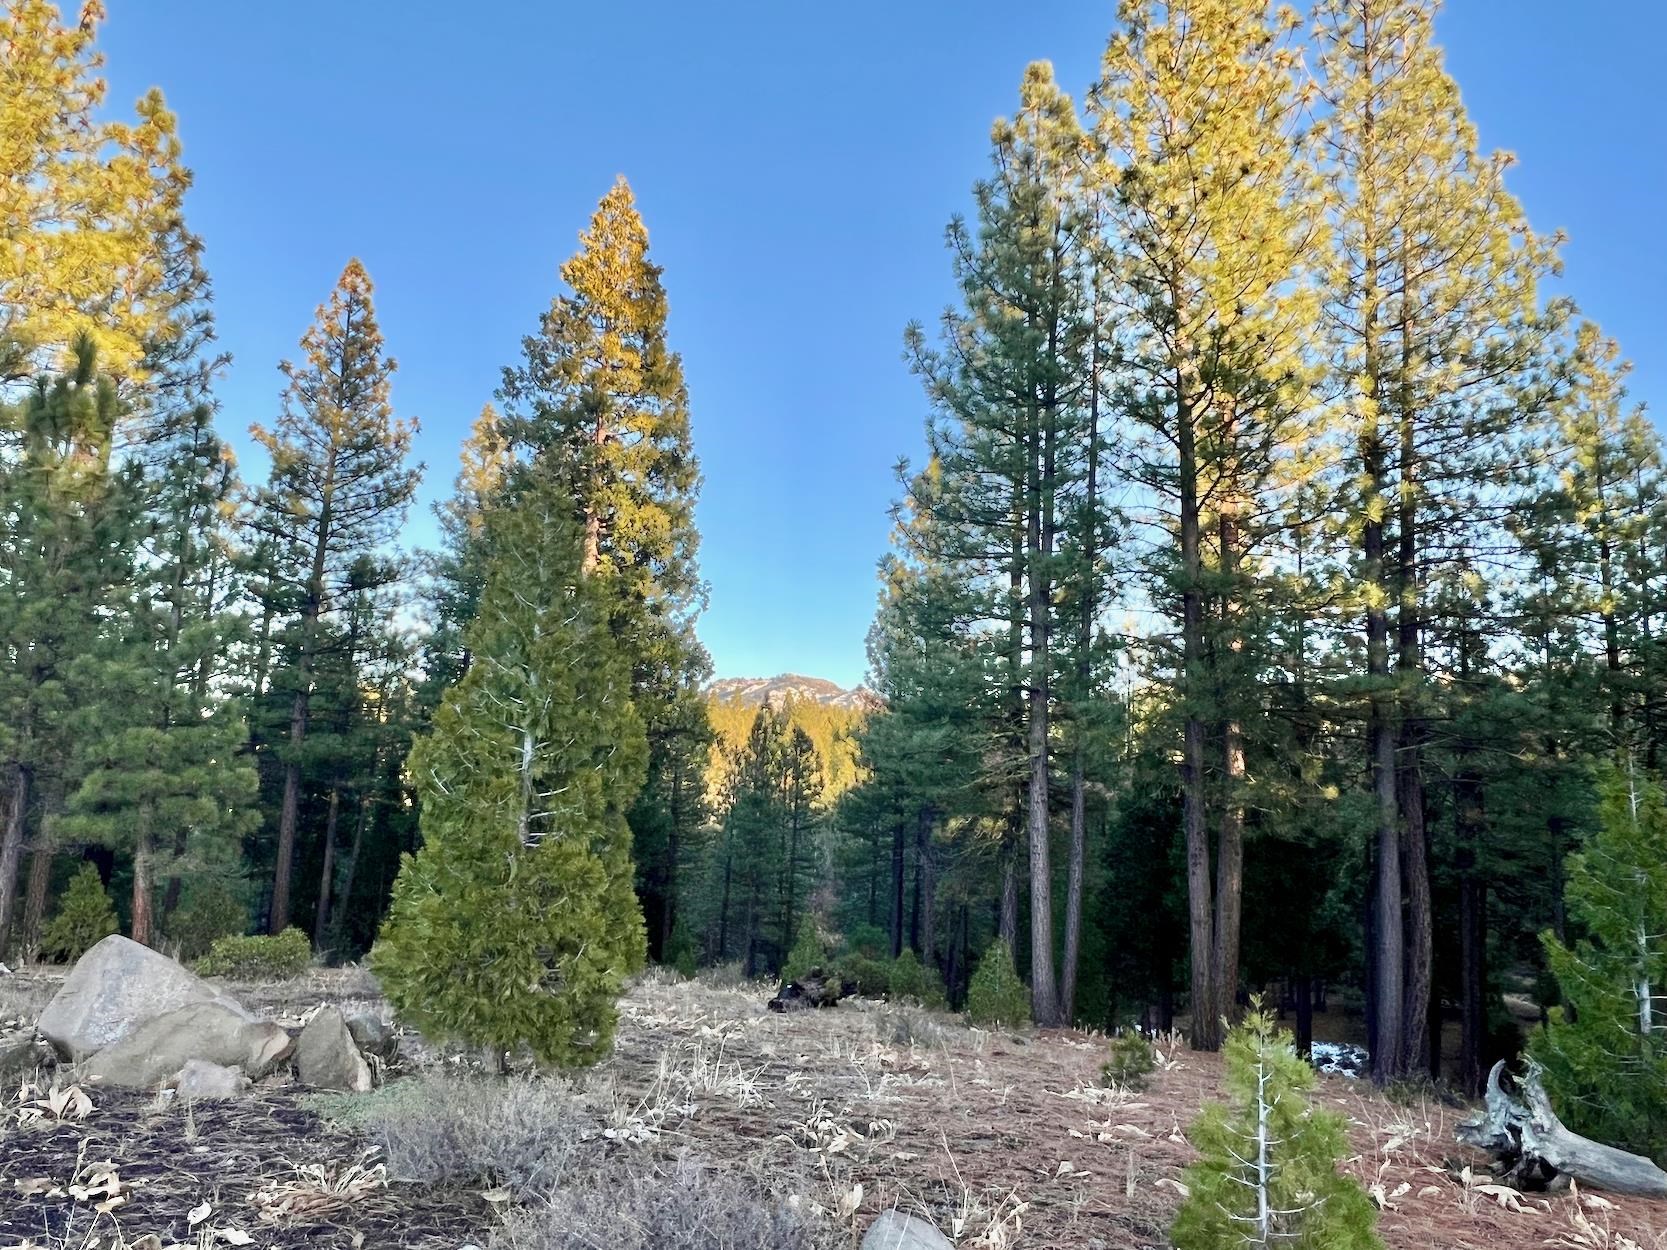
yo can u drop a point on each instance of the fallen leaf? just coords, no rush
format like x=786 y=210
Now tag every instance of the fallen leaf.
x=197 y=1214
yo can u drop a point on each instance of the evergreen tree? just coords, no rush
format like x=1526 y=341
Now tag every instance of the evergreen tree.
x=332 y=507
x=515 y=922
x=598 y=406
x=1268 y=1175
x=84 y=918
x=1605 y=1051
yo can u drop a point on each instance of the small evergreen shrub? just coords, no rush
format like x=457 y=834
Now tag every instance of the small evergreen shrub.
x=211 y=911
x=871 y=976
x=910 y=980
x=85 y=917
x=1132 y=1060
x=809 y=951
x=996 y=994
x=258 y=957
x=680 y=953
x=1268 y=1172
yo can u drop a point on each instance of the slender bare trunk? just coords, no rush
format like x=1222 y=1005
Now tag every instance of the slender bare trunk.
x=144 y=887
x=1230 y=831
x=327 y=875
x=11 y=848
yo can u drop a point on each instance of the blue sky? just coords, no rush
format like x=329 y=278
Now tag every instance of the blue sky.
x=796 y=165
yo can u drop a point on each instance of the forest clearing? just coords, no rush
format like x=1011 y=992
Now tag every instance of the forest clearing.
x=1007 y=1138
x=1240 y=816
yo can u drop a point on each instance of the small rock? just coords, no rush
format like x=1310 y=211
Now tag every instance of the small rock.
x=113 y=989
x=265 y=1046
x=373 y=1036
x=895 y=1231
x=326 y=1058
x=199 y=1079
x=22 y=1052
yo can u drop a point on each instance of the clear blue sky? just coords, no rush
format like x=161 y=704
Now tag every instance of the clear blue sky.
x=796 y=165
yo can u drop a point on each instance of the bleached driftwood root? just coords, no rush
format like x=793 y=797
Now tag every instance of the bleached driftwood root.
x=1532 y=1147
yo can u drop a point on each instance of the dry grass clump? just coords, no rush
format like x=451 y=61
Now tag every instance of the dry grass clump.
x=688 y=1207
x=523 y=1134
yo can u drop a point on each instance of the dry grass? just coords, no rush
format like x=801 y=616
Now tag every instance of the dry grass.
x=1006 y=1139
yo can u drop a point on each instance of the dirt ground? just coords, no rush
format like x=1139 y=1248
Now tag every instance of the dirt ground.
x=1007 y=1140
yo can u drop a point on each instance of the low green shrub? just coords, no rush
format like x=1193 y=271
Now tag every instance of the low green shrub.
x=871 y=976
x=210 y=911
x=680 y=953
x=996 y=994
x=914 y=982
x=1132 y=1060
x=85 y=917
x=809 y=951
x=258 y=957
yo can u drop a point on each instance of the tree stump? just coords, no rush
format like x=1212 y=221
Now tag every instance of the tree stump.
x=815 y=989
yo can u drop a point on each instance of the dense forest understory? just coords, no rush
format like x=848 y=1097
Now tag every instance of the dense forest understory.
x=1276 y=620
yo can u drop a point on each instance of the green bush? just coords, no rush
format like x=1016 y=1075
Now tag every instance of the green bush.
x=809 y=951
x=85 y=917
x=1267 y=1172
x=680 y=953
x=871 y=976
x=1132 y=1060
x=996 y=994
x=211 y=911
x=869 y=941
x=258 y=957
x=912 y=981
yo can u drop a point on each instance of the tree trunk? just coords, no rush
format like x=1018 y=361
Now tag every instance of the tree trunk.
x=350 y=869
x=1008 y=923
x=1206 y=1027
x=35 y=891
x=1302 y=987
x=11 y=849
x=897 y=886
x=289 y=813
x=327 y=875
x=1229 y=904
x=926 y=876
x=143 y=889
x=1075 y=865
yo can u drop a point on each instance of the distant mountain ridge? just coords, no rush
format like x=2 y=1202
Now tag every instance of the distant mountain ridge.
x=777 y=690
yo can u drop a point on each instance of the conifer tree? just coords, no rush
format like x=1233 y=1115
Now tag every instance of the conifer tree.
x=68 y=522
x=89 y=201
x=1196 y=120
x=1268 y=1175
x=332 y=507
x=1605 y=1051
x=598 y=406
x=515 y=922
x=1434 y=334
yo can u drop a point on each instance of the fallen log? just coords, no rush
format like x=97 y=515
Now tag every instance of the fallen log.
x=1532 y=1147
x=815 y=989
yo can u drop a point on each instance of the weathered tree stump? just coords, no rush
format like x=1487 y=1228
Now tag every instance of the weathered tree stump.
x=815 y=989
x=1531 y=1147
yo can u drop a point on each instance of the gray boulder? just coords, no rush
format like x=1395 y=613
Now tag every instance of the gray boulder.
x=200 y=1079
x=266 y=1045
x=162 y=1045
x=373 y=1036
x=326 y=1057
x=113 y=989
x=895 y=1231
x=21 y=1052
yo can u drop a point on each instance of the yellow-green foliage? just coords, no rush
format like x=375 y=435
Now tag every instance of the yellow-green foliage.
x=832 y=730
x=85 y=917
x=910 y=979
x=258 y=957
x=996 y=994
x=809 y=951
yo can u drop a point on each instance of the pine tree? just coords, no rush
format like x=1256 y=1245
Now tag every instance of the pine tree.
x=89 y=202
x=598 y=406
x=68 y=520
x=1197 y=120
x=1605 y=1051
x=331 y=509
x=84 y=918
x=1268 y=1175
x=515 y=922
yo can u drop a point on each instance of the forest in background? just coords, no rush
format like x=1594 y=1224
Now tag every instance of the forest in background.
x=1279 y=598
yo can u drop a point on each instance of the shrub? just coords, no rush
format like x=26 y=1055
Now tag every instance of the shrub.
x=211 y=911
x=869 y=941
x=680 y=953
x=523 y=1133
x=691 y=1208
x=809 y=951
x=1132 y=1060
x=996 y=994
x=258 y=957
x=872 y=977
x=912 y=981
x=1268 y=1172
x=85 y=917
